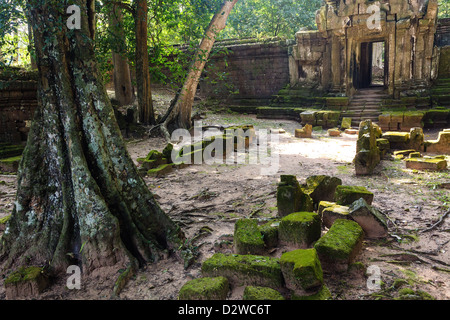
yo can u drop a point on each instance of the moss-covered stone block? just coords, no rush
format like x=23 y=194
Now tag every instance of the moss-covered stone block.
x=160 y=171
x=425 y=164
x=300 y=229
x=302 y=271
x=269 y=233
x=261 y=293
x=250 y=270
x=346 y=195
x=10 y=164
x=338 y=248
x=397 y=140
x=334 y=212
x=369 y=218
x=321 y=187
x=27 y=282
x=323 y=294
x=247 y=237
x=346 y=123
x=291 y=198
x=207 y=288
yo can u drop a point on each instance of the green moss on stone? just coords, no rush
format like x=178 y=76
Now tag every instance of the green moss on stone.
x=269 y=232
x=300 y=228
x=291 y=198
x=323 y=294
x=261 y=293
x=24 y=274
x=346 y=195
x=302 y=270
x=341 y=243
x=216 y=288
x=245 y=269
x=160 y=170
x=247 y=237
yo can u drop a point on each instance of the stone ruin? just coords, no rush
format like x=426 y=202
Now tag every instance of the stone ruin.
x=289 y=257
x=338 y=56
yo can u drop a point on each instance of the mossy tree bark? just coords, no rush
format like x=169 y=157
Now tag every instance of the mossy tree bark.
x=80 y=199
x=179 y=115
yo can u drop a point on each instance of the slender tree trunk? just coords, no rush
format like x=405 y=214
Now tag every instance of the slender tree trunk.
x=180 y=114
x=144 y=92
x=80 y=199
x=123 y=86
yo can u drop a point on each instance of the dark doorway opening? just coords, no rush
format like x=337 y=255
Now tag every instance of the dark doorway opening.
x=372 y=68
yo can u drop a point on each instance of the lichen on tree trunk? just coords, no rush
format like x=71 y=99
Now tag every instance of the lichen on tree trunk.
x=80 y=199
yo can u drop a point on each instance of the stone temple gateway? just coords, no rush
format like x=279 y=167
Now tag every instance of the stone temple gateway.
x=339 y=56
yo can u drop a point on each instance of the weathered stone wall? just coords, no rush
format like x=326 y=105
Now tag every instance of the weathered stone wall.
x=18 y=101
x=443 y=33
x=250 y=70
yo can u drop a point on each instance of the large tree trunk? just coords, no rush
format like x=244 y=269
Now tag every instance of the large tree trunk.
x=123 y=86
x=80 y=199
x=180 y=114
x=144 y=92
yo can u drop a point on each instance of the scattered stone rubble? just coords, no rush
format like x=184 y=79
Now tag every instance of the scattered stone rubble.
x=290 y=256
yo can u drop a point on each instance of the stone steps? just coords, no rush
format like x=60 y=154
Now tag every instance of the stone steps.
x=366 y=105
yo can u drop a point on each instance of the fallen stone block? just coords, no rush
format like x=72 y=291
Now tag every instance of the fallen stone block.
x=401 y=154
x=426 y=164
x=346 y=123
x=397 y=140
x=321 y=187
x=261 y=293
x=240 y=270
x=368 y=156
x=305 y=132
x=269 y=232
x=323 y=205
x=205 y=289
x=10 y=164
x=302 y=271
x=441 y=145
x=334 y=212
x=26 y=283
x=334 y=132
x=247 y=237
x=300 y=229
x=291 y=198
x=346 y=195
x=160 y=171
x=338 y=248
x=384 y=147
x=323 y=294
x=370 y=219
x=351 y=131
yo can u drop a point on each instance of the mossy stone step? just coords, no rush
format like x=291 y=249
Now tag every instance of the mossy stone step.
x=338 y=248
x=250 y=270
x=10 y=150
x=206 y=288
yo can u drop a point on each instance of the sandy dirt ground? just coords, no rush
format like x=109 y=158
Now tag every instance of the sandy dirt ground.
x=209 y=199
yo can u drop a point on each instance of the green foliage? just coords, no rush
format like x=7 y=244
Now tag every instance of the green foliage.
x=271 y=18
x=444 y=8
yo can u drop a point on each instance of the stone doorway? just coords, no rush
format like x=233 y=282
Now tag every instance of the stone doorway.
x=372 y=66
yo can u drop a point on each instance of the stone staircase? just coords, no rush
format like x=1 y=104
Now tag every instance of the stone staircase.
x=366 y=105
